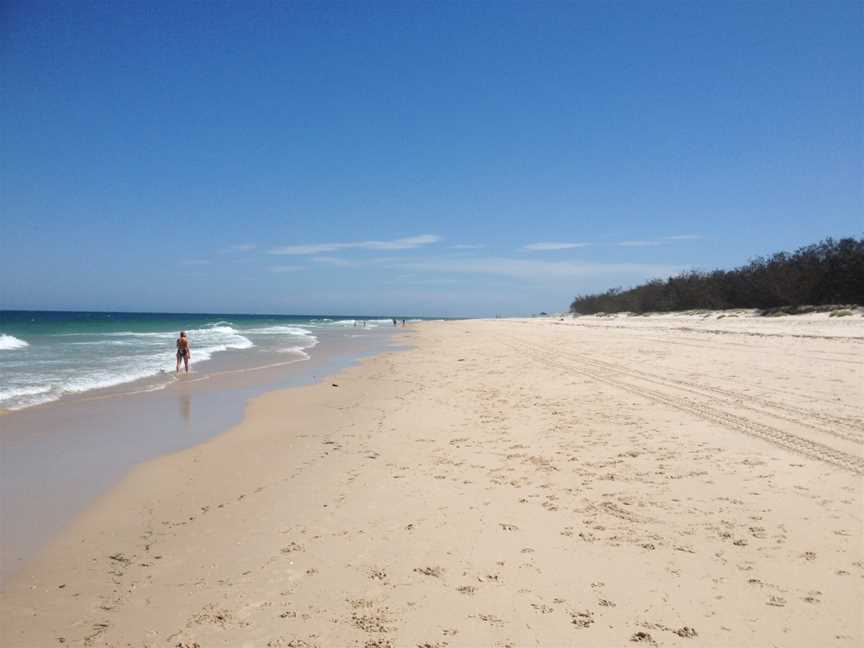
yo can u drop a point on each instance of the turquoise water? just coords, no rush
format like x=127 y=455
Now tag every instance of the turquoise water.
x=46 y=355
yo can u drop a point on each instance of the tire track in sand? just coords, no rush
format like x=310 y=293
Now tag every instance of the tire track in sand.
x=784 y=439
x=853 y=432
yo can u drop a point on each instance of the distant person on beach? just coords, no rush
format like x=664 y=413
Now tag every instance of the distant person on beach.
x=403 y=322
x=394 y=321
x=184 y=351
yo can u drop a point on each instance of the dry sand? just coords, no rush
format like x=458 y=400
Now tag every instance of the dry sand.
x=676 y=481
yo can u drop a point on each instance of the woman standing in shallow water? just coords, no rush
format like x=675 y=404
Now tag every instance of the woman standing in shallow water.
x=184 y=351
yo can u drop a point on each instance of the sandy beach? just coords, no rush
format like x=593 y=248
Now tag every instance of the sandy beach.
x=666 y=480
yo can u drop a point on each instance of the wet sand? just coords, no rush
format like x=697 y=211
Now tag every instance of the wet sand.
x=600 y=481
x=56 y=458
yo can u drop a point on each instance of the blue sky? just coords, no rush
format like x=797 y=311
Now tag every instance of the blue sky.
x=415 y=158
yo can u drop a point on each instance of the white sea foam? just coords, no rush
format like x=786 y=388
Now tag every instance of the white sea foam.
x=106 y=343
x=74 y=365
x=220 y=336
x=278 y=330
x=369 y=323
x=133 y=356
x=165 y=335
x=303 y=338
x=18 y=392
x=10 y=342
x=106 y=378
x=296 y=350
x=207 y=331
x=152 y=364
x=127 y=370
x=365 y=323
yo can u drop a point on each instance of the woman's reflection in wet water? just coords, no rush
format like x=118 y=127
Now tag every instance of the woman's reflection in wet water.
x=186 y=407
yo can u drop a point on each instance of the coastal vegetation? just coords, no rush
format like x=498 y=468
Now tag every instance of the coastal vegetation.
x=828 y=272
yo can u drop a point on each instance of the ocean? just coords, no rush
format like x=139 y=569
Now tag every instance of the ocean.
x=49 y=355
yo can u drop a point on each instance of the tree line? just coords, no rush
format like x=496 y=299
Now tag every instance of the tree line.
x=828 y=272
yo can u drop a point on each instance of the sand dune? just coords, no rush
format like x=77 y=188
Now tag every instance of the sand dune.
x=670 y=481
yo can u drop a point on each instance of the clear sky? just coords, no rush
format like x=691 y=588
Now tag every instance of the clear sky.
x=466 y=158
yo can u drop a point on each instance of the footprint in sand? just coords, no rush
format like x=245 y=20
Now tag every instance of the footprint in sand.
x=378 y=643
x=377 y=574
x=374 y=621
x=643 y=637
x=582 y=619
x=757 y=532
x=291 y=643
x=291 y=548
x=508 y=527
x=211 y=614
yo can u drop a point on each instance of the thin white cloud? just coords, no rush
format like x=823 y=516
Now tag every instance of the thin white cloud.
x=240 y=247
x=554 y=245
x=534 y=269
x=194 y=262
x=408 y=243
x=285 y=268
x=415 y=280
x=333 y=261
x=638 y=243
x=467 y=246
x=550 y=246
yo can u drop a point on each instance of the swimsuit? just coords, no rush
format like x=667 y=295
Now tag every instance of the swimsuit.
x=182 y=351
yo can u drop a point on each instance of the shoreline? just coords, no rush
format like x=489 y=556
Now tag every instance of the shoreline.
x=144 y=346
x=501 y=482
x=60 y=456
